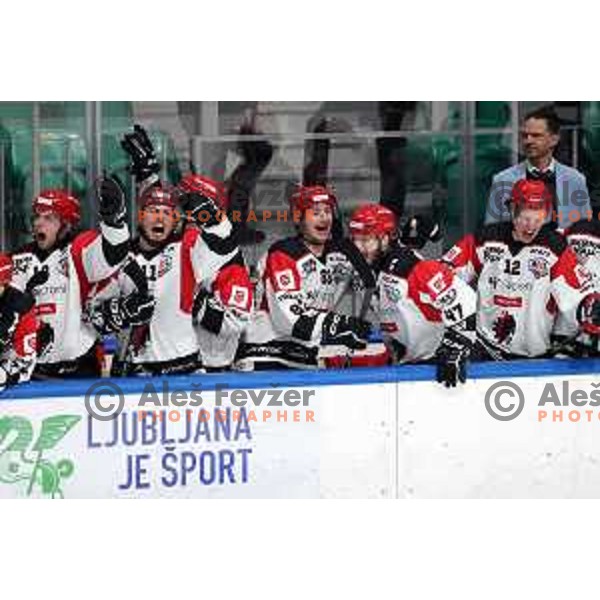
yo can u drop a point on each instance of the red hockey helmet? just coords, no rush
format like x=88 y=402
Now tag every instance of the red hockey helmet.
x=6 y=268
x=60 y=202
x=205 y=186
x=527 y=193
x=159 y=196
x=372 y=219
x=307 y=197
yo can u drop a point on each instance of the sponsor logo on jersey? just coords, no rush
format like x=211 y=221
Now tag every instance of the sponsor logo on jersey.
x=50 y=290
x=309 y=267
x=45 y=309
x=452 y=253
x=22 y=263
x=583 y=275
x=336 y=257
x=584 y=247
x=504 y=327
x=507 y=301
x=494 y=281
x=285 y=279
x=165 y=264
x=521 y=287
x=448 y=298
x=239 y=297
x=437 y=284
x=392 y=293
x=538 y=267
x=493 y=253
x=62 y=267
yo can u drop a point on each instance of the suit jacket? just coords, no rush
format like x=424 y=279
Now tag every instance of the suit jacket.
x=573 y=198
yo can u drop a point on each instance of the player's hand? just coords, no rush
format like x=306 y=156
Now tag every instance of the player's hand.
x=452 y=355
x=45 y=338
x=588 y=314
x=111 y=197
x=40 y=277
x=8 y=319
x=346 y=331
x=208 y=312
x=144 y=164
x=137 y=309
x=201 y=210
x=419 y=230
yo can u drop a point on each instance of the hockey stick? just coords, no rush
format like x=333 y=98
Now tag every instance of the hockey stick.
x=138 y=277
x=367 y=277
x=364 y=309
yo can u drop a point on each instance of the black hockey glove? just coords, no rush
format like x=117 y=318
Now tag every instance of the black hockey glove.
x=40 y=277
x=120 y=313
x=8 y=319
x=144 y=164
x=137 y=309
x=419 y=230
x=347 y=331
x=111 y=198
x=588 y=314
x=199 y=209
x=452 y=355
x=45 y=338
x=14 y=304
x=208 y=312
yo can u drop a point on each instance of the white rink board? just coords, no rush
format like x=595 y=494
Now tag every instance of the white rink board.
x=368 y=440
x=450 y=447
x=249 y=459
x=358 y=441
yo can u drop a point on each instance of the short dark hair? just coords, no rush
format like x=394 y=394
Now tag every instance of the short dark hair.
x=548 y=114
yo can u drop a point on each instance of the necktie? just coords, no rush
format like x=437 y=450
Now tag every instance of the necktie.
x=545 y=176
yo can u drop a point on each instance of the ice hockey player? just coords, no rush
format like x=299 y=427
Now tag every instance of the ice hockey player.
x=73 y=261
x=304 y=278
x=18 y=329
x=425 y=312
x=177 y=260
x=584 y=238
x=528 y=280
x=221 y=310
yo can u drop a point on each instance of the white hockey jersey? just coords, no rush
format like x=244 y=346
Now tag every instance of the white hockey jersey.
x=74 y=266
x=299 y=289
x=522 y=288
x=174 y=273
x=226 y=314
x=417 y=300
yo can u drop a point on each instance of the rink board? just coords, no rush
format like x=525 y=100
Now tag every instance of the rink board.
x=361 y=433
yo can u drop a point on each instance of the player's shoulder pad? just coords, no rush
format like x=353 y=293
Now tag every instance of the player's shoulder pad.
x=83 y=239
x=431 y=277
x=17 y=301
x=189 y=236
x=294 y=247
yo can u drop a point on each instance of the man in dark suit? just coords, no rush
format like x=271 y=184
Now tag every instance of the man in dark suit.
x=539 y=138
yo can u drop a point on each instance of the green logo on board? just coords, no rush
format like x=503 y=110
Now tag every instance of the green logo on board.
x=22 y=459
